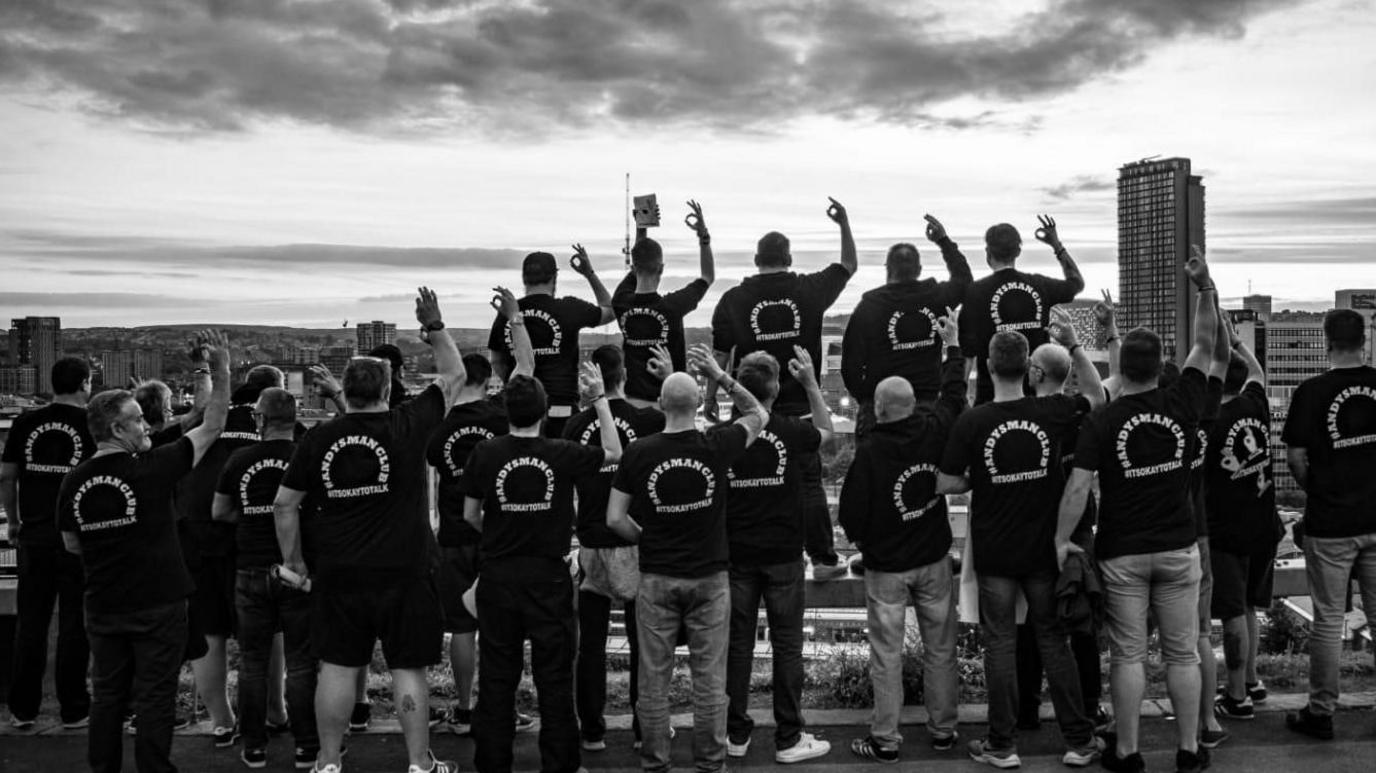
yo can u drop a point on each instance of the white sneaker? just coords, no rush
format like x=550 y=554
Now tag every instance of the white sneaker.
x=734 y=749
x=807 y=748
x=636 y=746
x=594 y=746
x=326 y=769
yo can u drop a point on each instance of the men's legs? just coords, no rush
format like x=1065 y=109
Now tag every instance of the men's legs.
x=1127 y=597
x=783 y=604
x=1175 y=600
x=708 y=622
x=463 y=660
x=257 y=624
x=886 y=597
x=1029 y=665
x=34 y=600
x=215 y=595
x=112 y=677
x=1208 y=665
x=658 y=618
x=747 y=583
x=501 y=626
x=633 y=663
x=295 y=614
x=411 y=693
x=1230 y=604
x=412 y=635
x=73 y=650
x=1085 y=647
x=594 y=615
x=551 y=627
x=157 y=651
x=820 y=541
x=934 y=598
x=334 y=700
x=1062 y=678
x=277 y=683
x=998 y=626
x=1328 y=563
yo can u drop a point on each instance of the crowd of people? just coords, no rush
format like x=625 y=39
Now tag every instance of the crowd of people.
x=1103 y=506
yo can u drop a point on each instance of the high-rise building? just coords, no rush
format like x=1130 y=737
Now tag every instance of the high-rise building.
x=120 y=367
x=303 y=354
x=1295 y=351
x=1251 y=330
x=1261 y=304
x=18 y=380
x=37 y=341
x=375 y=333
x=1160 y=214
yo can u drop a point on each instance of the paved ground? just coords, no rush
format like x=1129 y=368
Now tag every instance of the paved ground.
x=1259 y=746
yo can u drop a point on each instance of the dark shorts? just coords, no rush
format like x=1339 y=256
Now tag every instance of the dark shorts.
x=458 y=571
x=404 y=614
x=1242 y=581
x=1206 y=587
x=211 y=611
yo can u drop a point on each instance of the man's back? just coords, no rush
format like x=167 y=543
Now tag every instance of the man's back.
x=764 y=518
x=1007 y=300
x=650 y=319
x=465 y=426
x=250 y=479
x=1333 y=417
x=894 y=332
x=632 y=425
x=553 y=325
x=1239 y=491
x=44 y=445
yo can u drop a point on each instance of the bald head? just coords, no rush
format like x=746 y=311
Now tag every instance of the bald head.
x=893 y=400
x=1054 y=361
x=679 y=395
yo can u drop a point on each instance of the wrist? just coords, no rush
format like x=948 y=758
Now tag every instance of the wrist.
x=1206 y=287
x=1073 y=347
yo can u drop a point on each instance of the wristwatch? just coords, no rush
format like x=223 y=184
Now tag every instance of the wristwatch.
x=434 y=326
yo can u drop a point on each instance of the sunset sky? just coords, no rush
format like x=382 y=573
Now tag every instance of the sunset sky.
x=310 y=162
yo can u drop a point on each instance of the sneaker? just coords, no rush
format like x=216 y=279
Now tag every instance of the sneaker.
x=807 y=748
x=823 y=572
x=179 y=722
x=1256 y=691
x=1191 y=762
x=326 y=769
x=277 y=728
x=1082 y=756
x=1132 y=763
x=77 y=724
x=225 y=737
x=254 y=758
x=945 y=743
x=459 y=721
x=1102 y=719
x=870 y=749
x=361 y=716
x=593 y=745
x=1210 y=739
x=1232 y=708
x=305 y=759
x=980 y=751
x=438 y=715
x=734 y=749
x=1310 y=724
x=21 y=724
x=436 y=766
x=524 y=723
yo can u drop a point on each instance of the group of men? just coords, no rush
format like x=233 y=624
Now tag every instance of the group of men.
x=687 y=531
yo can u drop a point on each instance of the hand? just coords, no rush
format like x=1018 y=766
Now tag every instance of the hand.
x=195 y=350
x=505 y=303
x=427 y=307
x=948 y=329
x=801 y=367
x=579 y=261
x=590 y=386
x=216 y=347
x=695 y=220
x=1047 y=233
x=935 y=230
x=661 y=364
x=298 y=567
x=701 y=359
x=837 y=212
x=1063 y=551
x=326 y=385
x=1233 y=339
x=1104 y=311
x=1061 y=330
x=711 y=409
x=1197 y=268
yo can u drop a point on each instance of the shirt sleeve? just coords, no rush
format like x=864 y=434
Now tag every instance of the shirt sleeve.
x=825 y=286
x=226 y=483
x=723 y=334
x=806 y=438
x=1087 y=445
x=685 y=299
x=621 y=296
x=969 y=344
x=496 y=339
x=1299 y=424
x=1189 y=394
x=303 y=472
x=66 y=516
x=727 y=443
x=854 y=355
x=471 y=483
x=1057 y=291
x=582 y=313
x=955 y=459
x=426 y=410
x=853 y=510
x=173 y=460
x=625 y=478
x=583 y=460
x=1255 y=393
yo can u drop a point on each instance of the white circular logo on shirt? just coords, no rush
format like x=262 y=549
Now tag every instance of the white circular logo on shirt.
x=682 y=468
x=541 y=343
x=1139 y=421
x=765 y=438
x=514 y=475
x=900 y=491
x=1335 y=433
x=1011 y=430
x=1015 y=292
x=623 y=428
x=1246 y=452
x=922 y=341
x=1198 y=460
x=96 y=483
x=50 y=429
x=642 y=326
x=246 y=480
x=776 y=320
x=482 y=433
x=384 y=467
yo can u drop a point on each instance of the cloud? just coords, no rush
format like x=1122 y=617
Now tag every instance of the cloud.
x=98 y=300
x=1084 y=183
x=423 y=66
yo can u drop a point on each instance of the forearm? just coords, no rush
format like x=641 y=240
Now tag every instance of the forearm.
x=707 y=264
x=287 y=519
x=956 y=264
x=1204 y=321
x=448 y=361
x=1070 y=268
x=817 y=405
x=1088 y=377
x=1115 y=348
x=848 y=254
x=217 y=407
x=604 y=298
x=522 y=351
x=1254 y=370
x=1073 y=503
x=625 y=527
x=606 y=426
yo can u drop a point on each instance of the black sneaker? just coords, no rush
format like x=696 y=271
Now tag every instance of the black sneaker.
x=305 y=758
x=1132 y=763
x=1227 y=706
x=361 y=716
x=179 y=722
x=1256 y=691
x=225 y=737
x=1191 y=762
x=277 y=728
x=1309 y=724
x=460 y=721
x=1210 y=739
x=256 y=758
x=945 y=743
x=870 y=749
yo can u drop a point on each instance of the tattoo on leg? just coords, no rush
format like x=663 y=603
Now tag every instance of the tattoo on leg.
x=408 y=704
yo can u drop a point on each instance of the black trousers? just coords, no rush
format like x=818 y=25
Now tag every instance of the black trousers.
x=590 y=685
x=1083 y=647
x=49 y=577
x=266 y=607
x=818 y=536
x=136 y=657
x=509 y=612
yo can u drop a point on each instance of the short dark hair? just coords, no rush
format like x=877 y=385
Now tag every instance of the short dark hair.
x=1169 y=373
x=68 y=374
x=477 y=370
x=1345 y=330
x=1236 y=377
x=772 y=251
x=1140 y=357
x=1003 y=242
x=903 y=261
x=1008 y=354
x=103 y=411
x=260 y=377
x=366 y=380
x=759 y=374
x=525 y=399
x=647 y=256
x=390 y=353
x=612 y=363
x=539 y=268
x=154 y=399
x=278 y=407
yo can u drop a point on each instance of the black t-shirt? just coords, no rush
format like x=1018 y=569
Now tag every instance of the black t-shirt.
x=366 y=474
x=1199 y=450
x=773 y=313
x=467 y=425
x=1012 y=454
x=526 y=486
x=649 y=319
x=632 y=424
x=764 y=512
x=195 y=493
x=250 y=479
x=1141 y=444
x=1333 y=417
x=118 y=505
x=677 y=483
x=553 y=325
x=1003 y=301
x=1240 y=493
x=45 y=445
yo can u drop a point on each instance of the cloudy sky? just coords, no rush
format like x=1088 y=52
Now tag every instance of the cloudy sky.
x=311 y=162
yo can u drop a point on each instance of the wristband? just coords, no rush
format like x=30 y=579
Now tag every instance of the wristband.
x=518 y=321
x=1073 y=347
x=1061 y=251
x=1110 y=339
x=595 y=398
x=206 y=371
x=1207 y=289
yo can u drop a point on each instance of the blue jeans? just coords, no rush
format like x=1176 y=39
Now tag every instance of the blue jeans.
x=931 y=591
x=266 y=607
x=703 y=606
x=1329 y=563
x=781 y=586
x=998 y=621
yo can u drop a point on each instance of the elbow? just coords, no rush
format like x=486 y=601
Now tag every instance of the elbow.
x=612 y=455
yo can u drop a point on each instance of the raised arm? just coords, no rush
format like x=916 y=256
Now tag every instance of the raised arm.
x=286 y=515
x=1086 y=374
x=707 y=267
x=1048 y=234
x=801 y=369
x=583 y=267
x=753 y=415
x=1202 y=353
x=1218 y=366
x=217 y=407
x=328 y=387
x=956 y=264
x=447 y=359
x=837 y=213
x=954 y=375
x=594 y=393
x=522 y=352
x=1107 y=317
x=619 y=518
x=1254 y=370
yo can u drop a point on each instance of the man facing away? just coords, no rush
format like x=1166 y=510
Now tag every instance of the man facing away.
x=648 y=319
x=892 y=513
x=669 y=495
x=1330 y=438
x=43 y=446
x=1139 y=445
x=114 y=510
x=1007 y=453
x=553 y=325
x=764 y=531
x=1009 y=299
x=774 y=311
x=365 y=472
x=893 y=331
